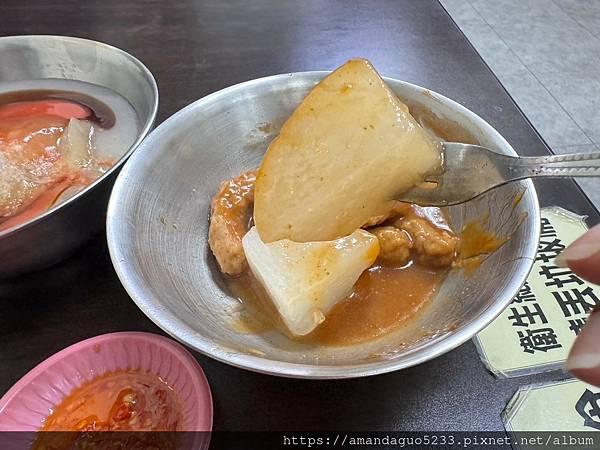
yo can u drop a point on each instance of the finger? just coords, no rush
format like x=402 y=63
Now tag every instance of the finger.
x=583 y=256
x=584 y=358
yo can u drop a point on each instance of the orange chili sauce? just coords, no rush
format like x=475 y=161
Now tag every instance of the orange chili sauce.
x=127 y=400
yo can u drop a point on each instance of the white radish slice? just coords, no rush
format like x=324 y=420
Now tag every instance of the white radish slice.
x=305 y=280
x=348 y=150
x=76 y=144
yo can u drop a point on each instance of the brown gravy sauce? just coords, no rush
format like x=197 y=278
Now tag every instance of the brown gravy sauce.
x=477 y=244
x=385 y=297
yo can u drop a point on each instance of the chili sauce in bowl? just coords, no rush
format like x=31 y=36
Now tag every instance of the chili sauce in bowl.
x=130 y=381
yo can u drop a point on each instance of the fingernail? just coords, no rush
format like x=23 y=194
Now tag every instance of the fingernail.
x=586 y=351
x=576 y=252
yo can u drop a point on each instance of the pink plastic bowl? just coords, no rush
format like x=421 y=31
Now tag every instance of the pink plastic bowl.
x=28 y=402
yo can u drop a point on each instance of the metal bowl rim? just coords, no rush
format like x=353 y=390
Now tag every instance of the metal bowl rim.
x=140 y=137
x=172 y=325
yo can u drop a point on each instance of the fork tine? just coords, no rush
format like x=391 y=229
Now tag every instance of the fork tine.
x=468 y=171
x=427 y=197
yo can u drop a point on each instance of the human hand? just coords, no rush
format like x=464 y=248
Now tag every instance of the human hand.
x=583 y=258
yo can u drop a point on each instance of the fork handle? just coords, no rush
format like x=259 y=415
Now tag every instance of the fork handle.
x=572 y=165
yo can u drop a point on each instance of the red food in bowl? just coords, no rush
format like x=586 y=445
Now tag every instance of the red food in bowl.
x=115 y=377
x=60 y=108
x=126 y=400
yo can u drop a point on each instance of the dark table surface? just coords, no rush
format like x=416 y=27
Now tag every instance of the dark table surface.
x=196 y=47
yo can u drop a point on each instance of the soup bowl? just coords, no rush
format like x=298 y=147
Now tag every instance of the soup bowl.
x=157 y=228
x=58 y=232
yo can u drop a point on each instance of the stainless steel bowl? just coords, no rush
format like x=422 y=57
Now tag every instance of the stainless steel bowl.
x=52 y=236
x=157 y=234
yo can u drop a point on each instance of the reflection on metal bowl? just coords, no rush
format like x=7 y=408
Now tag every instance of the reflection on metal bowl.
x=157 y=234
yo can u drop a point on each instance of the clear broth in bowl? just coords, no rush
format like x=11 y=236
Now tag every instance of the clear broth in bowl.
x=56 y=138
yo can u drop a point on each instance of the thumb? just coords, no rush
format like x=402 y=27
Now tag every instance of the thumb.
x=584 y=358
x=583 y=257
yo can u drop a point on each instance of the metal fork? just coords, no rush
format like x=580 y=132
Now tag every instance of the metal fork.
x=470 y=170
